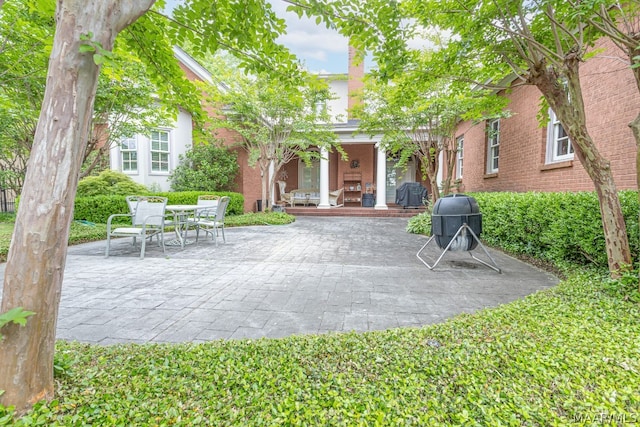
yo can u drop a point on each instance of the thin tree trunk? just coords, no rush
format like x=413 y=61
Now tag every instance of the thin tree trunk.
x=599 y=170
x=635 y=128
x=573 y=119
x=450 y=161
x=35 y=263
x=430 y=168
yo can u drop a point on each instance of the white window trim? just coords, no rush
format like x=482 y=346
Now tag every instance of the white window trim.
x=459 y=156
x=493 y=144
x=552 y=141
x=168 y=153
x=128 y=150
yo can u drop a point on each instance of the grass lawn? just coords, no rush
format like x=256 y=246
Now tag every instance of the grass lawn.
x=81 y=232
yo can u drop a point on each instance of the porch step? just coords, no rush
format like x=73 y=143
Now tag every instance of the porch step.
x=393 y=211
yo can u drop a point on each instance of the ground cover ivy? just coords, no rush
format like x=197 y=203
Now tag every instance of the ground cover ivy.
x=564 y=356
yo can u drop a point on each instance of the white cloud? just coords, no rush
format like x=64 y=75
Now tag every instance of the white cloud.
x=318 y=47
x=311 y=39
x=314 y=44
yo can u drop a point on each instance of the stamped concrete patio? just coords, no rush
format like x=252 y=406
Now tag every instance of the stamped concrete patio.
x=317 y=275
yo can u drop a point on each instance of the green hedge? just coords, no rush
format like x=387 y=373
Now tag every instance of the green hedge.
x=562 y=228
x=98 y=208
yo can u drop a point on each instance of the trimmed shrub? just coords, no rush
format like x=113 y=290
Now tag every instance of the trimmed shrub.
x=98 y=208
x=109 y=183
x=561 y=228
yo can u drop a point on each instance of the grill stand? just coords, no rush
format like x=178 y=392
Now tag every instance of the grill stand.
x=463 y=228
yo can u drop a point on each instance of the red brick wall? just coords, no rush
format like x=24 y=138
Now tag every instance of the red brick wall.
x=611 y=100
x=248 y=182
x=364 y=154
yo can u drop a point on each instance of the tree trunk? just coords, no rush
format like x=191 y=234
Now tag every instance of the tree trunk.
x=635 y=128
x=35 y=263
x=434 y=165
x=264 y=182
x=432 y=175
x=568 y=105
x=450 y=161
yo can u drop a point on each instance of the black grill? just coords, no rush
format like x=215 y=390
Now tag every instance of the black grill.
x=411 y=194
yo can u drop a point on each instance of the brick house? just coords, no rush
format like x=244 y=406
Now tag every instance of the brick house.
x=150 y=160
x=368 y=177
x=517 y=154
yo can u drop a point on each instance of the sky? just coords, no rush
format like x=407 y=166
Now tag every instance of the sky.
x=321 y=50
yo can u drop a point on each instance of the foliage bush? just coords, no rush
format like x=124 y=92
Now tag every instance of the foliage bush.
x=98 y=208
x=420 y=224
x=206 y=167
x=109 y=183
x=561 y=228
x=564 y=356
x=260 y=218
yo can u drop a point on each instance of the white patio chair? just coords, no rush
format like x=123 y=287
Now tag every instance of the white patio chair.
x=132 y=202
x=206 y=200
x=211 y=225
x=147 y=220
x=209 y=212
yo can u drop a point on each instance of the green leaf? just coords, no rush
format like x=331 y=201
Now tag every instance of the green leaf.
x=84 y=48
x=15 y=315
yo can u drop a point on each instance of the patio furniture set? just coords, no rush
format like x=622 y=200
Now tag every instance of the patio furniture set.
x=149 y=216
x=307 y=196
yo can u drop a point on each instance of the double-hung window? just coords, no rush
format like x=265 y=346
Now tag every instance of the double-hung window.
x=493 y=146
x=459 y=156
x=159 y=151
x=129 y=155
x=559 y=146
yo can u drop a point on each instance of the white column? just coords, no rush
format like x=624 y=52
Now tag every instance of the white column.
x=324 y=179
x=381 y=179
x=274 y=198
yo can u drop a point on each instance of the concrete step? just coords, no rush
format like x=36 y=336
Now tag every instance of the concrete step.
x=393 y=211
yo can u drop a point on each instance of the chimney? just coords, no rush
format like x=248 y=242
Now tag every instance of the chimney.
x=355 y=78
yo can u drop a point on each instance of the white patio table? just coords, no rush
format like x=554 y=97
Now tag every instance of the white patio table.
x=181 y=214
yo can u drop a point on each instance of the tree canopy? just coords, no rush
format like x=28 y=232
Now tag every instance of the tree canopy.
x=129 y=100
x=418 y=115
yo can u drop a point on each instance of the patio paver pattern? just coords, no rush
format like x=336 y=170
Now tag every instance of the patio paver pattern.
x=316 y=275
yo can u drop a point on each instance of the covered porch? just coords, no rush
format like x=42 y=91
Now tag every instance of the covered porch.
x=366 y=181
